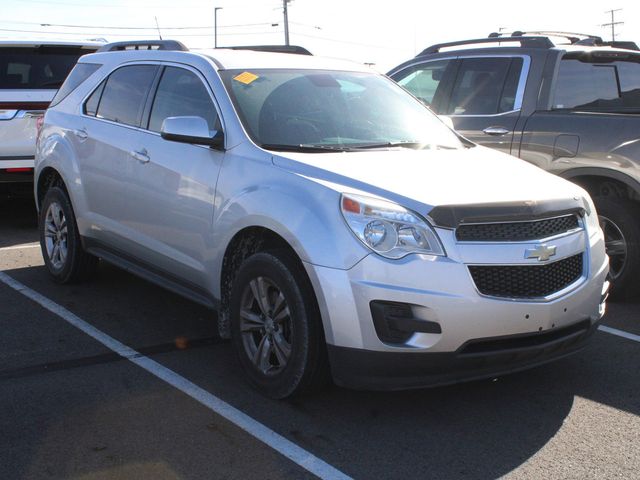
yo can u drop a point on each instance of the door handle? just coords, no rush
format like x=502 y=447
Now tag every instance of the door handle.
x=141 y=156
x=495 y=131
x=81 y=134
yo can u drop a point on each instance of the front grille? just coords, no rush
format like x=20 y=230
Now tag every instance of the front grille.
x=516 y=231
x=526 y=281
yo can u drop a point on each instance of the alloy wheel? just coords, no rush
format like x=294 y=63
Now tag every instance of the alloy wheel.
x=265 y=325
x=55 y=236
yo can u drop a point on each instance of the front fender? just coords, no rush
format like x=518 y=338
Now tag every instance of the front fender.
x=303 y=212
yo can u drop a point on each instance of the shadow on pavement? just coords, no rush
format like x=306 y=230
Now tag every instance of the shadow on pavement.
x=18 y=221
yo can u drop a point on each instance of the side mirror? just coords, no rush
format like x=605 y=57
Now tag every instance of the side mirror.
x=191 y=130
x=447 y=121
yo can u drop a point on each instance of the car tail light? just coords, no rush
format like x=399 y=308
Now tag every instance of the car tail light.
x=18 y=170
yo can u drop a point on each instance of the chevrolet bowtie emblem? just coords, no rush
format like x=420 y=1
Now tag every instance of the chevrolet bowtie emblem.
x=541 y=252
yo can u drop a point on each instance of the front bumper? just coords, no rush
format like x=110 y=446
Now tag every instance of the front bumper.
x=516 y=334
x=369 y=370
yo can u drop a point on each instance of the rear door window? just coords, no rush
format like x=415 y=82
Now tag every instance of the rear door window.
x=125 y=94
x=37 y=67
x=181 y=93
x=485 y=86
x=608 y=85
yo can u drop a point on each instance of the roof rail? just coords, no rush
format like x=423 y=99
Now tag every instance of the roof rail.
x=622 y=44
x=528 y=42
x=144 y=45
x=274 y=48
x=579 y=39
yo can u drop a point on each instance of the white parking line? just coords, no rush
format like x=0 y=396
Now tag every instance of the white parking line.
x=22 y=246
x=293 y=452
x=620 y=333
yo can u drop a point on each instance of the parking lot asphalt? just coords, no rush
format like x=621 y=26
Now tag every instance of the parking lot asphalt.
x=72 y=408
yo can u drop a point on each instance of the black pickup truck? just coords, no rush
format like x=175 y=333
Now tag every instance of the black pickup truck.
x=568 y=103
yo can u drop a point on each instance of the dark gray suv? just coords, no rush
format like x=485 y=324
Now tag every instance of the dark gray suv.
x=568 y=103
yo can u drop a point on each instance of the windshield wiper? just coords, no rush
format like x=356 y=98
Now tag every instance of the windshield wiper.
x=405 y=144
x=304 y=147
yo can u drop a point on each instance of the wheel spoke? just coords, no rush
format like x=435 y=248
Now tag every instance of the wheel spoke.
x=284 y=313
x=251 y=322
x=62 y=253
x=278 y=305
x=282 y=349
x=261 y=358
x=56 y=213
x=50 y=230
x=259 y=290
x=54 y=253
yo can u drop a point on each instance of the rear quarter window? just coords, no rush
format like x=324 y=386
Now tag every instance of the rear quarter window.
x=79 y=74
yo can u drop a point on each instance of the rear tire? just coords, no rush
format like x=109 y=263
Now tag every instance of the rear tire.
x=62 y=250
x=276 y=326
x=620 y=222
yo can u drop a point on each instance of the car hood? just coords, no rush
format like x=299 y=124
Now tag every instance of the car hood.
x=423 y=179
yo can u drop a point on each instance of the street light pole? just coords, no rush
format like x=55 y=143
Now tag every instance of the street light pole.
x=215 y=26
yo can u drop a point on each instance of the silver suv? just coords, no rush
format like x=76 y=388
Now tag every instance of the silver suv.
x=30 y=74
x=336 y=225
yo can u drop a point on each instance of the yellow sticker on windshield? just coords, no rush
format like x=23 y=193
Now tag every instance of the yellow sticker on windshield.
x=246 y=78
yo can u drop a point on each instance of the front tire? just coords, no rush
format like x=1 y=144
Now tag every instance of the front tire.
x=620 y=222
x=60 y=242
x=276 y=326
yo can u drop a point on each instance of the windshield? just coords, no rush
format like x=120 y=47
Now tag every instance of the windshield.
x=318 y=110
x=605 y=84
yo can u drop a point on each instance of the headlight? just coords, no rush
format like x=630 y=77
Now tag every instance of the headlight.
x=389 y=229
x=591 y=218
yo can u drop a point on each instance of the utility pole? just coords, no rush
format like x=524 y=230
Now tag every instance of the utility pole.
x=613 y=23
x=215 y=26
x=286 y=21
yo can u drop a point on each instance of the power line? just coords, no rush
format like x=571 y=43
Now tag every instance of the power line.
x=106 y=5
x=110 y=27
x=45 y=32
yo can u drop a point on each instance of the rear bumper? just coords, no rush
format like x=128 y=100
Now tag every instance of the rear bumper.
x=16 y=169
x=476 y=359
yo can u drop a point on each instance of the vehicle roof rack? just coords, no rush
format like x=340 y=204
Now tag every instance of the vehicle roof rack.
x=525 y=41
x=627 y=45
x=144 y=45
x=584 y=39
x=273 y=48
x=574 y=38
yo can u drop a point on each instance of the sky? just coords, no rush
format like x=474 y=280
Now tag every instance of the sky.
x=384 y=33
